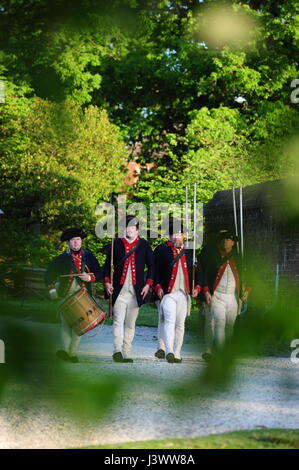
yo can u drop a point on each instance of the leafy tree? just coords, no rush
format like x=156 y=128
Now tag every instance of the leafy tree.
x=57 y=47
x=214 y=139
x=166 y=84
x=57 y=161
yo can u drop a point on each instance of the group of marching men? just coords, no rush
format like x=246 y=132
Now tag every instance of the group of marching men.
x=167 y=273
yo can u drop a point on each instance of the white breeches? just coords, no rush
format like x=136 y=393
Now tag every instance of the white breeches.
x=160 y=332
x=125 y=312
x=174 y=311
x=220 y=317
x=70 y=339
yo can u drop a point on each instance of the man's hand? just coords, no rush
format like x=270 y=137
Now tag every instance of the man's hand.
x=53 y=294
x=85 y=277
x=244 y=296
x=160 y=293
x=109 y=288
x=208 y=297
x=145 y=291
x=194 y=293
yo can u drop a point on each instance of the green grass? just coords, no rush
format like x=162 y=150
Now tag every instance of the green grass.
x=45 y=311
x=256 y=439
x=36 y=309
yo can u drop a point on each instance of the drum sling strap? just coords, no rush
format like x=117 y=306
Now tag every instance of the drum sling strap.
x=75 y=270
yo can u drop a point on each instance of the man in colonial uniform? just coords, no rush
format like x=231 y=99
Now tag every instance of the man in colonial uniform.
x=132 y=255
x=206 y=253
x=61 y=283
x=222 y=290
x=173 y=284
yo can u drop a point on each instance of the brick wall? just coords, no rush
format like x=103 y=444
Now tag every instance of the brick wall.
x=269 y=235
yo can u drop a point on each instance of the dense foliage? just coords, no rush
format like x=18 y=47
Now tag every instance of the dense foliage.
x=202 y=89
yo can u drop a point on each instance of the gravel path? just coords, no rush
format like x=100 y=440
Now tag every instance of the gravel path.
x=265 y=394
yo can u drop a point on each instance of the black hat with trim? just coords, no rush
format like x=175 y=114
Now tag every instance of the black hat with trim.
x=175 y=226
x=72 y=233
x=226 y=236
x=132 y=221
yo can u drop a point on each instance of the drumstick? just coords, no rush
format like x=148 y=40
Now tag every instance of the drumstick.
x=73 y=275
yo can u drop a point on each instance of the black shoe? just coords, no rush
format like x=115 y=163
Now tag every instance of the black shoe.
x=74 y=359
x=177 y=361
x=118 y=357
x=207 y=357
x=170 y=358
x=160 y=354
x=63 y=355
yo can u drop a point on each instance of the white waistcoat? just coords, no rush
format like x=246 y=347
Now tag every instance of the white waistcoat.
x=128 y=284
x=180 y=279
x=227 y=284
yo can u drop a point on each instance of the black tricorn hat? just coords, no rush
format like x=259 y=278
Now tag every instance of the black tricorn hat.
x=175 y=226
x=132 y=220
x=72 y=233
x=226 y=235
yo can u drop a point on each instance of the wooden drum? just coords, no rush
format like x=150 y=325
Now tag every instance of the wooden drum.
x=81 y=312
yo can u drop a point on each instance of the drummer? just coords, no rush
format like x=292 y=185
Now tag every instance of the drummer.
x=74 y=261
